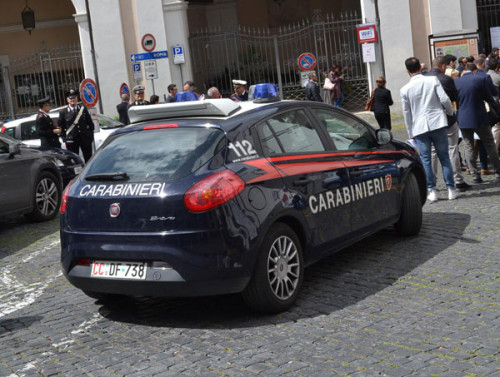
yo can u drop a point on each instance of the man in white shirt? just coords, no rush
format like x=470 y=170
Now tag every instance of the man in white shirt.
x=425 y=105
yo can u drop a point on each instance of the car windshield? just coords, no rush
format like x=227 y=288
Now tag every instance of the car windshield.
x=157 y=155
x=107 y=123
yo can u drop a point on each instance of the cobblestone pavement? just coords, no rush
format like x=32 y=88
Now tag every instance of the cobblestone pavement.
x=387 y=306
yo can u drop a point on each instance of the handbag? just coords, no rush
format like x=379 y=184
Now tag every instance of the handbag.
x=370 y=102
x=328 y=85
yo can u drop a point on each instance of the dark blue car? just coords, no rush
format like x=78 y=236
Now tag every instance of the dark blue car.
x=214 y=197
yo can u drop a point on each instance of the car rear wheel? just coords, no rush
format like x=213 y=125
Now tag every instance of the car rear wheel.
x=410 y=220
x=47 y=198
x=278 y=273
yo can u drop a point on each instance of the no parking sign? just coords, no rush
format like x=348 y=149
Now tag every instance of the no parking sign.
x=124 y=89
x=307 y=61
x=88 y=92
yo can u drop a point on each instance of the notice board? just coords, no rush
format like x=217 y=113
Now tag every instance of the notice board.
x=458 y=43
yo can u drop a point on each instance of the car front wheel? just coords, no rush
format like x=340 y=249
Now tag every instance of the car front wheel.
x=410 y=220
x=47 y=198
x=278 y=273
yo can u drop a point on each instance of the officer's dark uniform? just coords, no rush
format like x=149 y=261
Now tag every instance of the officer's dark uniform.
x=139 y=88
x=239 y=97
x=45 y=127
x=82 y=135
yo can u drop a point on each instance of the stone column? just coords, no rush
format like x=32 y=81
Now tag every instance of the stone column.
x=177 y=33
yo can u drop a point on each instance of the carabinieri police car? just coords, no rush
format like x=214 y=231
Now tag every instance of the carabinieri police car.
x=214 y=197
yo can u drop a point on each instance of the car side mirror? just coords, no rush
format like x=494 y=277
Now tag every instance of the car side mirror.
x=14 y=149
x=384 y=136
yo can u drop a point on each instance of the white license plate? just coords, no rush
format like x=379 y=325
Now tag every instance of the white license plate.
x=118 y=270
x=78 y=169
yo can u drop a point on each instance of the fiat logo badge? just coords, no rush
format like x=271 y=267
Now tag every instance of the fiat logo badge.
x=114 y=210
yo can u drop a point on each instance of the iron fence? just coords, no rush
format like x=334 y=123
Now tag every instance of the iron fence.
x=260 y=55
x=49 y=73
x=488 y=14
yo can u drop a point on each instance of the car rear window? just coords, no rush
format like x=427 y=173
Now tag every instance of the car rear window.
x=159 y=154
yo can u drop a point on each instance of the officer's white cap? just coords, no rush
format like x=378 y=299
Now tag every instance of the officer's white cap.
x=137 y=88
x=239 y=82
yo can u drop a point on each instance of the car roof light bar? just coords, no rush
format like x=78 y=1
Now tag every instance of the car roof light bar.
x=210 y=107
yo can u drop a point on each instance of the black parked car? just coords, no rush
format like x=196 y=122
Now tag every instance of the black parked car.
x=214 y=196
x=30 y=181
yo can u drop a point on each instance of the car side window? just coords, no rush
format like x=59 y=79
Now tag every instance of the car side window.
x=28 y=131
x=4 y=147
x=347 y=133
x=290 y=132
x=10 y=132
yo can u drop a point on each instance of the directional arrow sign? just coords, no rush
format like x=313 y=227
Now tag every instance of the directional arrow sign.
x=149 y=56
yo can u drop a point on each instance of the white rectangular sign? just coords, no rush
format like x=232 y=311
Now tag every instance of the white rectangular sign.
x=495 y=36
x=368 y=52
x=150 y=69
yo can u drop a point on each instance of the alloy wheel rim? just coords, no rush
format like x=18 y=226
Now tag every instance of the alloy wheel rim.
x=283 y=267
x=46 y=196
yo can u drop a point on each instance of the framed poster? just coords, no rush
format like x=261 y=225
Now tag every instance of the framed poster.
x=462 y=44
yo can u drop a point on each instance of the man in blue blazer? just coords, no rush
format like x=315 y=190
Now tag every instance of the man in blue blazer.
x=473 y=92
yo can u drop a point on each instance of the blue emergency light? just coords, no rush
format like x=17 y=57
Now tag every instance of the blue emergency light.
x=185 y=96
x=262 y=93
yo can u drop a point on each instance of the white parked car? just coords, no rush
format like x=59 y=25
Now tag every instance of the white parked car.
x=24 y=129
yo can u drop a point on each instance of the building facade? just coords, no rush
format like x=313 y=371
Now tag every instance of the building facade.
x=111 y=34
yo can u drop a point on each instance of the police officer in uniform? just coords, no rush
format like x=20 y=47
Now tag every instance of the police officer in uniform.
x=139 y=96
x=240 y=93
x=49 y=134
x=77 y=126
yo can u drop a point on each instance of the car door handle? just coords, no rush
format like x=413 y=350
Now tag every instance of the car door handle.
x=355 y=173
x=302 y=182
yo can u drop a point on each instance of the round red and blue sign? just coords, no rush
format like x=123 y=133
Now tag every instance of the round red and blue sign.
x=307 y=61
x=124 y=89
x=88 y=92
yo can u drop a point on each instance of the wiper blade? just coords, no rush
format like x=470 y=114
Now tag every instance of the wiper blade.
x=117 y=176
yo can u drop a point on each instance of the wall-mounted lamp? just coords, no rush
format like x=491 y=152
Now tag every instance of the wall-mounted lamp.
x=28 y=16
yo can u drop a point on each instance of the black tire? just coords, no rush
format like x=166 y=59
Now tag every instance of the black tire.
x=410 y=220
x=278 y=273
x=46 y=197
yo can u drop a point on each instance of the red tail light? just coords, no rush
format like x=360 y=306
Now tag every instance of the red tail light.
x=64 y=200
x=2 y=130
x=213 y=191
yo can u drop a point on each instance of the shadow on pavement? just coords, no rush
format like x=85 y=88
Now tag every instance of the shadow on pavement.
x=10 y=325
x=16 y=234
x=332 y=284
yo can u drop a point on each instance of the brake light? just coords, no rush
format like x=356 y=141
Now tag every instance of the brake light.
x=159 y=126
x=2 y=130
x=64 y=200
x=213 y=191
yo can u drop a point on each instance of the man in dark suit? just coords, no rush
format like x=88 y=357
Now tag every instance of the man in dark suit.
x=473 y=91
x=49 y=135
x=77 y=126
x=122 y=109
x=312 y=88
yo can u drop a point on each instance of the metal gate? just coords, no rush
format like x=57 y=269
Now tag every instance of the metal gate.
x=257 y=55
x=47 y=73
x=488 y=14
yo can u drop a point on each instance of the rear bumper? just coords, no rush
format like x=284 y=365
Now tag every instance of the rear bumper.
x=178 y=265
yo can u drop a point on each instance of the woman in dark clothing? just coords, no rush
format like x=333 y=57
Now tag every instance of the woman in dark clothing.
x=382 y=101
x=336 y=77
